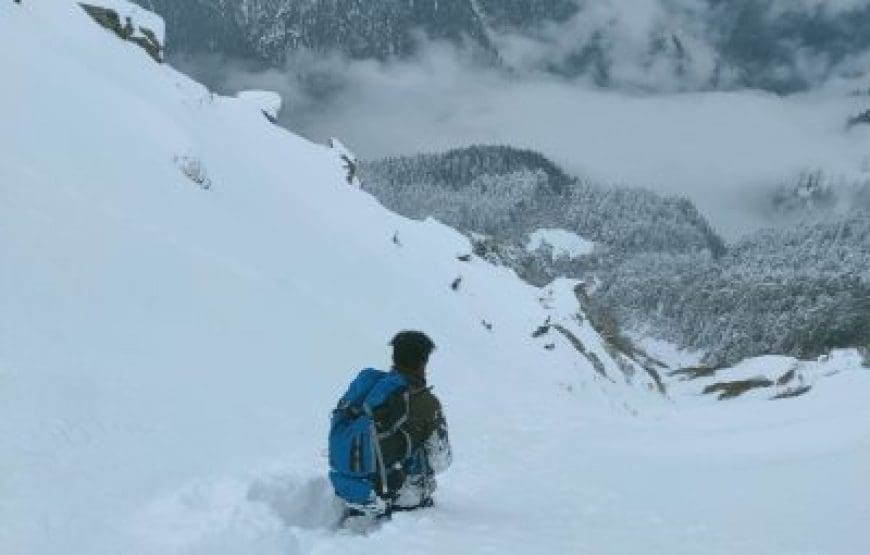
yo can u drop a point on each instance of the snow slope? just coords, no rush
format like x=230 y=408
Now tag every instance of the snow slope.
x=562 y=243
x=266 y=101
x=169 y=353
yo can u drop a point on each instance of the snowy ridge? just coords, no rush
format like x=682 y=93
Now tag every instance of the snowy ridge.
x=169 y=352
x=613 y=365
x=761 y=378
x=140 y=18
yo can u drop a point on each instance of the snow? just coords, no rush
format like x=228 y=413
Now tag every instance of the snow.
x=563 y=243
x=266 y=101
x=668 y=352
x=812 y=373
x=140 y=17
x=342 y=150
x=349 y=161
x=169 y=354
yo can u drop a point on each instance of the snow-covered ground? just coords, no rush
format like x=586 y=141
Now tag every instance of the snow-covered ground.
x=562 y=242
x=169 y=353
x=267 y=102
x=139 y=17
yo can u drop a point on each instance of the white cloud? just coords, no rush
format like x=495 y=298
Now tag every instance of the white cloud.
x=722 y=149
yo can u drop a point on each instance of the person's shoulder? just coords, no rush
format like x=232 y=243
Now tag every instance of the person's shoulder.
x=423 y=395
x=426 y=397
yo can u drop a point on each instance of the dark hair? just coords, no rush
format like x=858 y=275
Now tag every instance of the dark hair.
x=411 y=349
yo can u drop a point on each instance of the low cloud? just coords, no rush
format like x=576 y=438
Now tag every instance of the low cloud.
x=651 y=45
x=725 y=150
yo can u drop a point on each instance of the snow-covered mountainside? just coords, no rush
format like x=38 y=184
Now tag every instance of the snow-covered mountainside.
x=816 y=196
x=658 y=264
x=778 y=45
x=268 y=30
x=510 y=193
x=185 y=289
x=800 y=291
x=683 y=97
x=560 y=243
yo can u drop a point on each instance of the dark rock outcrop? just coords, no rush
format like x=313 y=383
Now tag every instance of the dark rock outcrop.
x=143 y=37
x=729 y=390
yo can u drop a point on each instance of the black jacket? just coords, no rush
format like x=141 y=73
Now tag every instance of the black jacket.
x=425 y=428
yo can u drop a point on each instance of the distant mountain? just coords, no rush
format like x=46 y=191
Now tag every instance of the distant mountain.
x=509 y=193
x=658 y=266
x=267 y=30
x=785 y=45
x=525 y=14
x=776 y=45
x=799 y=291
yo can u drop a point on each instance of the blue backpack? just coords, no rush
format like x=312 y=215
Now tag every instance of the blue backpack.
x=355 y=458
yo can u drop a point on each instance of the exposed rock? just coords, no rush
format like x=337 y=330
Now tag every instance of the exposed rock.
x=541 y=330
x=693 y=373
x=143 y=37
x=349 y=162
x=792 y=392
x=787 y=377
x=656 y=377
x=730 y=390
x=581 y=348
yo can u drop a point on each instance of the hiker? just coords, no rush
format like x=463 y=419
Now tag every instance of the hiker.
x=388 y=436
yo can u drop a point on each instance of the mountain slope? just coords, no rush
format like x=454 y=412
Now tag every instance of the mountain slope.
x=169 y=352
x=267 y=30
x=509 y=193
x=657 y=264
x=800 y=291
x=776 y=45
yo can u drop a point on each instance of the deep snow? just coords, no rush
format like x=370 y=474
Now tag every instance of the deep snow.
x=169 y=354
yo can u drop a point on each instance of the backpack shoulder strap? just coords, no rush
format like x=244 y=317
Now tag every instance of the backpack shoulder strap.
x=389 y=384
x=361 y=387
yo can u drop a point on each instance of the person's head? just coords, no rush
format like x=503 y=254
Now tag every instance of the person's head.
x=411 y=350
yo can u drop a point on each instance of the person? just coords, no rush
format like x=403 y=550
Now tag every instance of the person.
x=413 y=444
x=426 y=425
